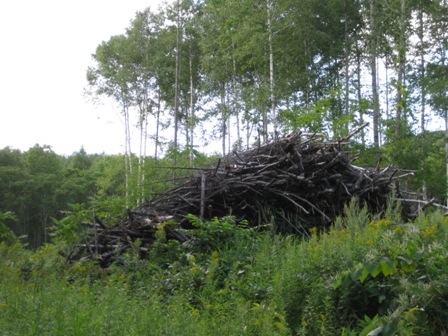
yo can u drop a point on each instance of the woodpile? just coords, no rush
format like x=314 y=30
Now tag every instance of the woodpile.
x=295 y=183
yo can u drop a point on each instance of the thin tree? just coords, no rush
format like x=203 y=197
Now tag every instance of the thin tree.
x=374 y=74
x=271 y=65
x=112 y=77
x=400 y=99
x=177 y=83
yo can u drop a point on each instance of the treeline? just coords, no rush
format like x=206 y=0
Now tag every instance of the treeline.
x=39 y=188
x=244 y=70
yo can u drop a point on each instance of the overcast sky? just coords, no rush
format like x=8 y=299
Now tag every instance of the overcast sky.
x=46 y=47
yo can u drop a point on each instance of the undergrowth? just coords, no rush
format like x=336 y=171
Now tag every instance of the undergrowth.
x=365 y=274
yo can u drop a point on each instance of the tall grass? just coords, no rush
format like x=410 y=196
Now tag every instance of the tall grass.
x=364 y=273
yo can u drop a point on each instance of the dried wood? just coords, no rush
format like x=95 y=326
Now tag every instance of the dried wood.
x=295 y=183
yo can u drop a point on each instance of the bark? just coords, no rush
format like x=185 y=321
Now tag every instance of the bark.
x=177 y=84
x=400 y=100
x=421 y=31
x=359 y=92
x=156 y=147
x=127 y=151
x=223 y=121
x=271 y=67
x=346 y=67
x=373 y=59
x=297 y=183
x=235 y=102
x=191 y=121
x=446 y=152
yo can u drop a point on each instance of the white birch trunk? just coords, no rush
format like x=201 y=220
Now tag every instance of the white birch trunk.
x=373 y=59
x=271 y=68
x=401 y=69
x=176 y=86
x=191 y=122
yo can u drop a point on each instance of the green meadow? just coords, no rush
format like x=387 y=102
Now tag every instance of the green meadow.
x=366 y=275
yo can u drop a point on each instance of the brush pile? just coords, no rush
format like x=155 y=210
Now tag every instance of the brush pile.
x=296 y=182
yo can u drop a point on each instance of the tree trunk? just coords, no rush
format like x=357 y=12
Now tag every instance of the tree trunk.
x=359 y=92
x=191 y=121
x=421 y=31
x=249 y=128
x=140 y=155
x=443 y=62
x=127 y=150
x=156 y=147
x=446 y=153
x=400 y=100
x=176 y=86
x=271 y=68
x=235 y=103
x=373 y=57
x=346 y=68
x=223 y=120
x=421 y=37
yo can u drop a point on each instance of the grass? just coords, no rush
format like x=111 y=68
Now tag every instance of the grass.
x=363 y=274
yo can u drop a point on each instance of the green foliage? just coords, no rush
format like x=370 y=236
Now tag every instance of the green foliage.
x=219 y=233
x=438 y=86
x=78 y=299
x=67 y=231
x=367 y=274
x=6 y=234
x=425 y=154
x=110 y=172
x=379 y=270
x=368 y=156
x=322 y=117
x=41 y=187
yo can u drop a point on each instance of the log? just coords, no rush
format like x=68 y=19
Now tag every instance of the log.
x=298 y=181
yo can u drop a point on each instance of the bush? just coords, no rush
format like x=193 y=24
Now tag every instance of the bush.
x=367 y=273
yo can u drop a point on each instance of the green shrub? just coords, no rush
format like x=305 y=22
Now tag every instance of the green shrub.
x=366 y=273
x=6 y=234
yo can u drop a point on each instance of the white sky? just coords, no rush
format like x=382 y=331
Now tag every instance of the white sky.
x=46 y=47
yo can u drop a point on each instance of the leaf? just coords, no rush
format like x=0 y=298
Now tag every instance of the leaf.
x=373 y=268
x=338 y=281
x=376 y=331
x=343 y=280
x=373 y=324
x=356 y=274
x=280 y=326
x=387 y=266
x=364 y=275
x=407 y=260
x=390 y=328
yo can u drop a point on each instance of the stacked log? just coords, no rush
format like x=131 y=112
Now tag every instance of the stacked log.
x=296 y=183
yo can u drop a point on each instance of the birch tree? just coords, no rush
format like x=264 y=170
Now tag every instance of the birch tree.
x=374 y=74
x=438 y=71
x=112 y=77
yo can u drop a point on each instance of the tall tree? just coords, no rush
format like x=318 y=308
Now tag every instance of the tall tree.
x=143 y=34
x=179 y=37
x=269 y=10
x=401 y=63
x=374 y=74
x=220 y=22
x=438 y=71
x=112 y=77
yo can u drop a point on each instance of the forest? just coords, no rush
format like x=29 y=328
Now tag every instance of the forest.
x=245 y=71
x=242 y=74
